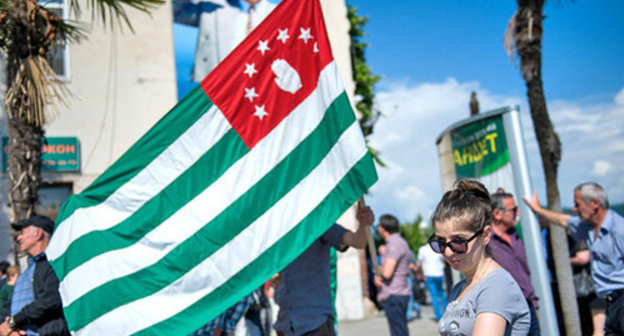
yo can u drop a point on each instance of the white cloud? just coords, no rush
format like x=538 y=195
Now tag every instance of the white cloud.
x=601 y=168
x=619 y=98
x=416 y=114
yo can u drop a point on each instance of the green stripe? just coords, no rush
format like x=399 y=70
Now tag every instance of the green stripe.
x=245 y=210
x=145 y=150
x=351 y=187
x=207 y=169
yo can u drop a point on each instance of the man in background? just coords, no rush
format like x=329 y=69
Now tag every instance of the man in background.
x=432 y=266
x=394 y=270
x=303 y=287
x=35 y=307
x=508 y=250
x=604 y=231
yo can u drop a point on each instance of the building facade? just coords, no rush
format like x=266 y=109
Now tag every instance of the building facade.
x=121 y=84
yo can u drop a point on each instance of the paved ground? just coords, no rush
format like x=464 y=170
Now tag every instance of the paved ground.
x=378 y=325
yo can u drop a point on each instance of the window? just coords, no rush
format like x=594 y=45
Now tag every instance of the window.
x=51 y=197
x=59 y=55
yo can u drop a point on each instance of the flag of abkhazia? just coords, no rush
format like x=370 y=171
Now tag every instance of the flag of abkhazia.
x=223 y=192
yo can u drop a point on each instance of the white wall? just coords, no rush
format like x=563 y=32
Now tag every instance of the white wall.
x=349 y=296
x=122 y=83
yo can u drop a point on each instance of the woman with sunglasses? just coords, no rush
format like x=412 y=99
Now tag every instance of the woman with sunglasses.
x=488 y=301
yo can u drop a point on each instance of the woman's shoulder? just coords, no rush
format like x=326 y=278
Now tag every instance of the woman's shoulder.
x=500 y=281
x=499 y=293
x=497 y=275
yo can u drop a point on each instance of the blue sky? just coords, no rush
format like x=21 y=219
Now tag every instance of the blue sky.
x=428 y=42
x=431 y=55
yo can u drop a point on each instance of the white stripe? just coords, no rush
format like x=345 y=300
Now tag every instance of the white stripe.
x=237 y=180
x=165 y=168
x=240 y=251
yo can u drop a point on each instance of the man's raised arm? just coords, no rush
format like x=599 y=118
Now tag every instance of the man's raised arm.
x=552 y=216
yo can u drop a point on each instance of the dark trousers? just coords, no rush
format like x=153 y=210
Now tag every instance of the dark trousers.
x=325 y=329
x=534 y=329
x=396 y=308
x=614 y=324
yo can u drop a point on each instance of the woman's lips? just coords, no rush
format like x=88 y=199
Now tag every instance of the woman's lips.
x=454 y=261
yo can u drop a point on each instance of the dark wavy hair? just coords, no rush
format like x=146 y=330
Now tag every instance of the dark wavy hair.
x=468 y=204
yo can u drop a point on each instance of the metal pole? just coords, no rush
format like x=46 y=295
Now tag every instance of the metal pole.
x=530 y=225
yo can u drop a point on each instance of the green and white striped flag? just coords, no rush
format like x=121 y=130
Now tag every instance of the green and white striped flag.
x=223 y=192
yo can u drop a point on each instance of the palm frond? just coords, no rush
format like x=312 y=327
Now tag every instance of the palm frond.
x=29 y=28
x=509 y=41
x=111 y=11
x=36 y=92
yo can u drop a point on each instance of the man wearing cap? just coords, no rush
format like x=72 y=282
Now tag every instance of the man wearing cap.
x=35 y=306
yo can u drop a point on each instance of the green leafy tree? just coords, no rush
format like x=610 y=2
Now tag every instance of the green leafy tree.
x=414 y=234
x=364 y=79
x=29 y=32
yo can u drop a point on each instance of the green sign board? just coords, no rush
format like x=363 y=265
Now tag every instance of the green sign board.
x=58 y=154
x=479 y=148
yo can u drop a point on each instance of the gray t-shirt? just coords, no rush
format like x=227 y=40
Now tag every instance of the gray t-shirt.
x=497 y=293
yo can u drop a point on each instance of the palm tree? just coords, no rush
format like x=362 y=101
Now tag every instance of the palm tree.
x=29 y=32
x=525 y=34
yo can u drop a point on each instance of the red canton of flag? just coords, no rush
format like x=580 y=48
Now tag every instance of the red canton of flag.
x=272 y=71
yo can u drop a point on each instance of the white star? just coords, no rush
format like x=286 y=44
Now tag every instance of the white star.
x=305 y=35
x=250 y=69
x=316 y=48
x=250 y=94
x=263 y=46
x=283 y=35
x=260 y=112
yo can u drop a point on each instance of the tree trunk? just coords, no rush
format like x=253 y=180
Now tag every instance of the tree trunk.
x=528 y=33
x=24 y=147
x=24 y=166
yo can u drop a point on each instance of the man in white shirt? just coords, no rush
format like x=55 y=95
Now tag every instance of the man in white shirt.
x=432 y=265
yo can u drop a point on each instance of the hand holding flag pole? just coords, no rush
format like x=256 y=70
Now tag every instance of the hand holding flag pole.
x=371 y=243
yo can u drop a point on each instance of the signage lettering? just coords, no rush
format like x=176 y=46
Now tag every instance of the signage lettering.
x=476 y=151
x=57 y=154
x=59 y=149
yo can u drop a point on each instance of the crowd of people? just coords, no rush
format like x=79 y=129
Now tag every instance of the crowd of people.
x=473 y=231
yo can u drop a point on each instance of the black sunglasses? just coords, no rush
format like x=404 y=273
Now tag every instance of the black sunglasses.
x=457 y=245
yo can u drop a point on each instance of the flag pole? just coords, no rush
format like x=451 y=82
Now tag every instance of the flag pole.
x=371 y=242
